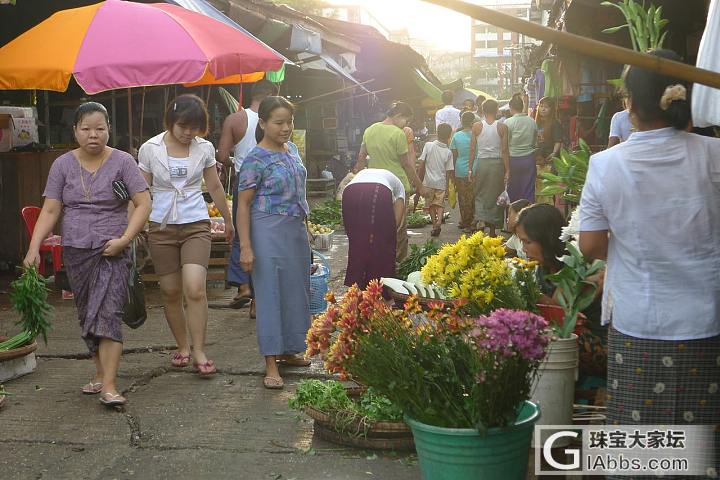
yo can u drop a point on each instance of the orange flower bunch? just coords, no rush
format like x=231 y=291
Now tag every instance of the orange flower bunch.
x=334 y=334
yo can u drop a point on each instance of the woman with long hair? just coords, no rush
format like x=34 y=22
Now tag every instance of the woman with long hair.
x=662 y=292
x=549 y=141
x=175 y=163
x=274 y=247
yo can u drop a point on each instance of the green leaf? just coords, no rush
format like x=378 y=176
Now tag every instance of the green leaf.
x=615 y=29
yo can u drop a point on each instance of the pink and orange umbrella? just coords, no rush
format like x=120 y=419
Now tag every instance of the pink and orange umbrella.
x=116 y=44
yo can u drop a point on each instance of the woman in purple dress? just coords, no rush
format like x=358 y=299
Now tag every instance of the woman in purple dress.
x=96 y=234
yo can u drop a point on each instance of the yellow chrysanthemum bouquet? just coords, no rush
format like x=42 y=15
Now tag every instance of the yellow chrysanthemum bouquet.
x=475 y=270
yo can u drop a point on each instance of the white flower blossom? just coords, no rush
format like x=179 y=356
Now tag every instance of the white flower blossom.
x=618 y=358
x=713 y=388
x=635 y=415
x=659 y=387
x=571 y=232
x=688 y=416
x=667 y=361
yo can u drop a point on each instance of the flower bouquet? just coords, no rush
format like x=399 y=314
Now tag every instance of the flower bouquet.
x=475 y=269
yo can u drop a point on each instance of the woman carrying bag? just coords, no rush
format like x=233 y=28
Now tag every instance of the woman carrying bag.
x=96 y=234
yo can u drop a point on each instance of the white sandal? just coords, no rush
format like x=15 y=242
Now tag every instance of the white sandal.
x=112 y=399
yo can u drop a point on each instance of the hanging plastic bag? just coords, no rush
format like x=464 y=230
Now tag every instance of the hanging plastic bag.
x=503 y=199
x=452 y=194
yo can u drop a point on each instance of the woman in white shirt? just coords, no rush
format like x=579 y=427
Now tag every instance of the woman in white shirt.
x=373 y=205
x=651 y=206
x=174 y=163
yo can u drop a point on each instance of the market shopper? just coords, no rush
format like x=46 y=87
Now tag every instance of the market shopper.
x=460 y=147
x=620 y=126
x=373 y=205
x=274 y=247
x=448 y=113
x=662 y=289
x=96 y=234
x=175 y=163
x=386 y=144
x=522 y=132
x=539 y=227
x=479 y=115
x=437 y=169
x=238 y=138
x=549 y=141
x=489 y=152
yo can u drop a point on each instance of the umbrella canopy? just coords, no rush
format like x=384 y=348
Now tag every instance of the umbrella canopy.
x=116 y=44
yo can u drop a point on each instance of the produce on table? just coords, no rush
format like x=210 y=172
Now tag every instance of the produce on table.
x=417 y=258
x=29 y=299
x=414 y=288
x=329 y=213
x=319 y=229
x=417 y=220
x=331 y=398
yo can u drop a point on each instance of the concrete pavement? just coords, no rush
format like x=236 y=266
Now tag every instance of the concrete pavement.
x=176 y=425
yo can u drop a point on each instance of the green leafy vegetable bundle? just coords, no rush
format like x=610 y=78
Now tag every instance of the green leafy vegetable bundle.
x=29 y=299
x=329 y=213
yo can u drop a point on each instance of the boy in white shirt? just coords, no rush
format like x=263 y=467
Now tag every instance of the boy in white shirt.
x=436 y=168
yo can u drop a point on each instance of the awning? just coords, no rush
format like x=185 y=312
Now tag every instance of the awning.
x=426 y=85
x=325 y=62
x=202 y=6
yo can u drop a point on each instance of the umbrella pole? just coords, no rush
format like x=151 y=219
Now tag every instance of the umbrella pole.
x=142 y=116
x=591 y=48
x=130 y=132
x=46 y=116
x=113 y=116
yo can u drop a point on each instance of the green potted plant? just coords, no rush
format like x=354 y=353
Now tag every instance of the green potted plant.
x=571 y=168
x=554 y=389
x=462 y=382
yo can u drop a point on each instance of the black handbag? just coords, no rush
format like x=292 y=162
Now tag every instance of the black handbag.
x=134 y=312
x=120 y=190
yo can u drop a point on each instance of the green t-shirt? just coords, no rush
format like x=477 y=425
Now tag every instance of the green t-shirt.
x=522 y=132
x=385 y=144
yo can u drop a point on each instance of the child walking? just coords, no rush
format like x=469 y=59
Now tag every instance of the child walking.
x=436 y=169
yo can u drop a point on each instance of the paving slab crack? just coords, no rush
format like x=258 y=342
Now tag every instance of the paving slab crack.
x=126 y=351
x=135 y=433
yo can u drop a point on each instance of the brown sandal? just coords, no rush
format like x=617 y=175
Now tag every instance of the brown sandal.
x=273 y=383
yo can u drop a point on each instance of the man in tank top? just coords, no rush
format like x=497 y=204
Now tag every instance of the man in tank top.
x=238 y=138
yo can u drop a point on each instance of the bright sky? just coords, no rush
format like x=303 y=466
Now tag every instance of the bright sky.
x=446 y=29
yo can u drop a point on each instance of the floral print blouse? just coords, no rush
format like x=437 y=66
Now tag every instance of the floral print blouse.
x=279 y=181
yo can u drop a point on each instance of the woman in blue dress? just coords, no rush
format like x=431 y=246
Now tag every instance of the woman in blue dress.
x=273 y=237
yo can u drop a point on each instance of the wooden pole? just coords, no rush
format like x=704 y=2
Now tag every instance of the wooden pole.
x=113 y=117
x=142 y=115
x=130 y=132
x=586 y=46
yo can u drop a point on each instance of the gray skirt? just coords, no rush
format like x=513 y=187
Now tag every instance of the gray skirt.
x=489 y=184
x=281 y=281
x=663 y=382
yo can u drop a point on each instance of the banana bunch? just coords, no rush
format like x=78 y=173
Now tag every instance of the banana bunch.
x=318 y=229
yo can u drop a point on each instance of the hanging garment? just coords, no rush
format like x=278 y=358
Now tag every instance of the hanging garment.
x=706 y=100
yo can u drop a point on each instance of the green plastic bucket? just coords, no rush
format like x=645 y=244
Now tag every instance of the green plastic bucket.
x=463 y=454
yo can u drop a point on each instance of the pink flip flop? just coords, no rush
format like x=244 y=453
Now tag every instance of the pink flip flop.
x=92 y=388
x=206 y=369
x=180 y=361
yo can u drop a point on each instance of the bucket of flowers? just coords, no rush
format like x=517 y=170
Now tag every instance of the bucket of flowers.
x=462 y=382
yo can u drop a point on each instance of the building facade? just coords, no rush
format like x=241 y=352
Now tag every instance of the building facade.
x=496 y=53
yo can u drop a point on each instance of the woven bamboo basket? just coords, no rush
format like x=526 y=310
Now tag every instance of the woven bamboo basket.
x=377 y=436
x=17 y=352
